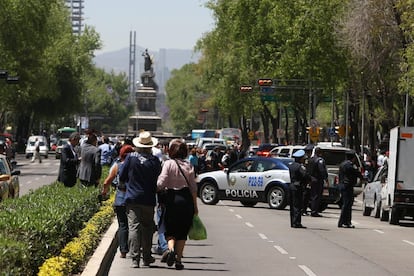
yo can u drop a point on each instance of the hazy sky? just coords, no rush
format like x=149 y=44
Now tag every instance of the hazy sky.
x=158 y=24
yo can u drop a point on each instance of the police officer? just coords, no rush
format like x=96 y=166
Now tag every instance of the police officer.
x=348 y=174
x=298 y=180
x=319 y=174
x=307 y=189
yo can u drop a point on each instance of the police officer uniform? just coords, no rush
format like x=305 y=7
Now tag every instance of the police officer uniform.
x=298 y=179
x=348 y=175
x=319 y=174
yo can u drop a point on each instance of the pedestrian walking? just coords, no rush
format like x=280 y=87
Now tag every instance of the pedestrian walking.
x=319 y=175
x=36 y=153
x=90 y=169
x=348 y=176
x=140 y=172
x=69 y=161
x=298 y=180
x=177 y=179
x=119 y=203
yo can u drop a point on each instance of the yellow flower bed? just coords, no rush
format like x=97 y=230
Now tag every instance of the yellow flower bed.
x=76 y=252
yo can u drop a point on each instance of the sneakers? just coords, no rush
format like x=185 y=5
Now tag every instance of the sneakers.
x=135 y=263
x=148 y=261
x=170 y=257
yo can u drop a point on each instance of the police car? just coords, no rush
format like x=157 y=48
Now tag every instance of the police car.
x=250 y=180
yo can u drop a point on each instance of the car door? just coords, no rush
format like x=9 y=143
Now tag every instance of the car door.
x=242 y=180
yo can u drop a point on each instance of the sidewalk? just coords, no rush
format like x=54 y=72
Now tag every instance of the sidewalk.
x=101 y=261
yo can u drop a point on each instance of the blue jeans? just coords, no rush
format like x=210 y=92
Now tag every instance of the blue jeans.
x=162 y=242
x=122 y=228
x=141 y=229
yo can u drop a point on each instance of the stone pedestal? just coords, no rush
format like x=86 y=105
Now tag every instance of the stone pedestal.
x=145 y=117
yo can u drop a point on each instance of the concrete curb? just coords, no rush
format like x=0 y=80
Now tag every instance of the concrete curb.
x=100 y=262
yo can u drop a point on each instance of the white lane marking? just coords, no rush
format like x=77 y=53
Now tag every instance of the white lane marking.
x=249 y=224
x=409 y=242
x=43 y=176
x=238 y=216
x=262 y=236
x=281 y=250
x=292 y=258
x=29 y=182
x=307 y=270
x=379 y=231
x=231 y=210
x=37 y=178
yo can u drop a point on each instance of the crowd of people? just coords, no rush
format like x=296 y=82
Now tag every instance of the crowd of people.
x=156 y=190
x=146 y=177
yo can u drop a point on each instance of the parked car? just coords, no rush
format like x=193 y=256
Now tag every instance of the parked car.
x=9 y=180
x=30 y=146
x=205 y=140
x=60 y=143
x=371 y=196
x=264 y=149
x=285 y=151
x=249 y=180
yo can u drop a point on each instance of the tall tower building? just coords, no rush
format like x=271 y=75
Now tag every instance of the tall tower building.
x=76 y=14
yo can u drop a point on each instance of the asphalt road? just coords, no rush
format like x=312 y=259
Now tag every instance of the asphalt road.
x=258 y=240
x=35 y=175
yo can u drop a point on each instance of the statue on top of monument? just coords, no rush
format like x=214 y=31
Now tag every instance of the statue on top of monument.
x=148 y=61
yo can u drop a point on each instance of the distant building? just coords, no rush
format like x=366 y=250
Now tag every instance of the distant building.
x=76 y=12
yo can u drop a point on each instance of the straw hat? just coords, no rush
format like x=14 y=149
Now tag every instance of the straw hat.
x=144 y=140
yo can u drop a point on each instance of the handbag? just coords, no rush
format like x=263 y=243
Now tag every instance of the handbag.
x=197 y=231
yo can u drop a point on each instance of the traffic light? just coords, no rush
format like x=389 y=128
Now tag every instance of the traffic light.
x=246 y=88
x=265 y=82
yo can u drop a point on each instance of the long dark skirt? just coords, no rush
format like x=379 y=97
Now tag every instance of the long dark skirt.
x=179 y=213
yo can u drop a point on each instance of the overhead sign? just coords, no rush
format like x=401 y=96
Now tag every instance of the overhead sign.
x=267 y=89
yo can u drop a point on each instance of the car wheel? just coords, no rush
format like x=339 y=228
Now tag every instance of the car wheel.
x=377 y=208
x=384 y=215
x=248 y=203
x=209 y=193
x=394 y=216
x=276 y=197
x=366 y=211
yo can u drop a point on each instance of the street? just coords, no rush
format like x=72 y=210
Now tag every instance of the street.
x=259 y=241
x=35 y=175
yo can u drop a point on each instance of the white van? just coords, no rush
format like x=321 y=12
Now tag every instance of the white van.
x=30 y=146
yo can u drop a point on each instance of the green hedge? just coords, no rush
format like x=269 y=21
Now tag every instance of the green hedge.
x=37 y=226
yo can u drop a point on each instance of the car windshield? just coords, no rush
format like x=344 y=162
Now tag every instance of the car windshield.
x=62 y=142
x=333 y=157
x=32 y=143
x=2 y=167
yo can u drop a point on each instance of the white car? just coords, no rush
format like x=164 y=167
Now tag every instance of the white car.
x=30 y=146
x=250 y=180
x=371 y=196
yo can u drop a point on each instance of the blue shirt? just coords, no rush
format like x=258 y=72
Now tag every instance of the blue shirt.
x=140 y=172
